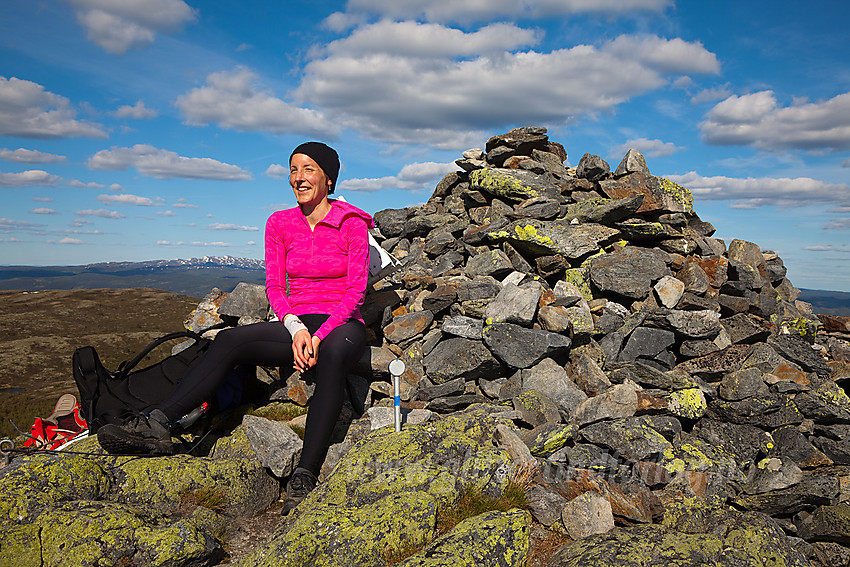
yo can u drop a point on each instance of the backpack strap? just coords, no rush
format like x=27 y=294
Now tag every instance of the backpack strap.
x=125 y=367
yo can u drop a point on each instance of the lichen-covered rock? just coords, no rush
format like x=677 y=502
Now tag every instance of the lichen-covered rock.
x=90 y=534
x=245 y=486
x=542 y=238
x=384 y=492
x=493 y=538
x=33 y=484
x=719 y=539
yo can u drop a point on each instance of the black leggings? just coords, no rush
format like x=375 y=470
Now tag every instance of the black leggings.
x=269 y=344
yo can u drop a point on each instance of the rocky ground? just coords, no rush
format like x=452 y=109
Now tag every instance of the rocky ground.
x=592 y=378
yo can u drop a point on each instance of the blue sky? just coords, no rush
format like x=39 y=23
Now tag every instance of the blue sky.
x=157 y=129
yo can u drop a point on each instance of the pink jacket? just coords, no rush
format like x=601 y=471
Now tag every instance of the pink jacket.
x=327 y=268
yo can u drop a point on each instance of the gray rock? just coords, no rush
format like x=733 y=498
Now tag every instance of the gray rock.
x=669 y=291
x=536 y=408
x=790 y=443
x=773 y=474
x=592 y=167
x=588 y=376
x=450 y=404
x=647 y=344
x=630 y=271
x=392 y=221
x=275 y=444
x=632 y=162
x=545 y=505
x=451 y=388
x=768 y=411
x=797 y=350
x=550 y=378
x=514 y=305
x=742 y=384
x=744 y=328
x=694 y=277
x=470 y=290
x=408 y=326
x=492 y=263
x=632 y=437
x=602 y=210
x=617 y=401
x=694 y=324
x=460 y=358
x=660 y=195
x=440 y=299
x=519 y=347
x=462 y=326
x=587 y=515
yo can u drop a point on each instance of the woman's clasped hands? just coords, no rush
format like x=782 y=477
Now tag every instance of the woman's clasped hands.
x=305 y=350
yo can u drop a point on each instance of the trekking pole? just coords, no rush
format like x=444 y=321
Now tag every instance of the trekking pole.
x=396 y=370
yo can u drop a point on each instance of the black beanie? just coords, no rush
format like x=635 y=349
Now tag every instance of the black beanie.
x=323 y=155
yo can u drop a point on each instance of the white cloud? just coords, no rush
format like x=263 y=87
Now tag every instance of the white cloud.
x=44 y=211
x=667 y=55
x=842 y=223
x=8 y=225
x=845 y=163
x=82 y=185
x=139 y=111
x=391 y=95
x=67 y=240
x=119 y=26
x=181 y=203
x=166 y=213
x=30 y=178
x=126 y=199
x=764 y=191
x=220 y=226
x=27 y=110
x=232 y=100
x=711 y=95
x=102 y=213
x=43 y=199
x=277 y=171
x=649 y=148
x=412 y=177
x=488 y=10
x=22 y=155
x=164 y=164
x=413 y=39
x=757 y=119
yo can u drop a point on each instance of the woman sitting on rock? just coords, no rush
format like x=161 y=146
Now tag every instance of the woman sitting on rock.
x=320 y=250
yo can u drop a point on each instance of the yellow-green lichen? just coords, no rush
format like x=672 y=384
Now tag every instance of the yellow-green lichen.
x=688 y=403
x=679 y=194
x=529 y=233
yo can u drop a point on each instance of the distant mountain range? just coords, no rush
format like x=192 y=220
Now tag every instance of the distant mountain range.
x=197 y=276
x=194 y=277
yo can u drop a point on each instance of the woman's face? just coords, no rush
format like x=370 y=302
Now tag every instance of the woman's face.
x=308 y=180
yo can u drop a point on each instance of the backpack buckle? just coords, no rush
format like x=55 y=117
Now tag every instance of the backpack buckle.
x=9 y=446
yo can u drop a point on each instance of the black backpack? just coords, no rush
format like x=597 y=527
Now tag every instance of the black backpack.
x=112 y=397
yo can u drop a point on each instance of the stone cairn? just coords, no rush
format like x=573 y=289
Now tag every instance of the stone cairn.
x=642 y=361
